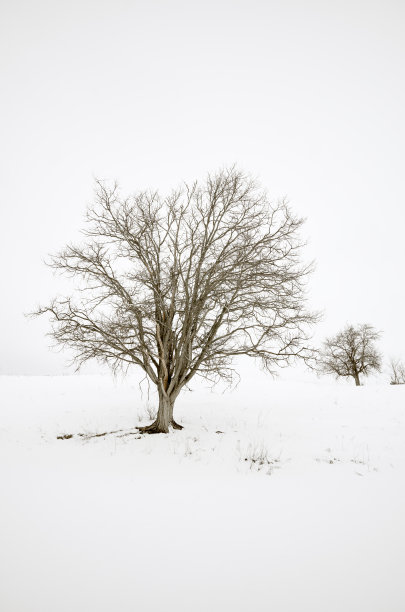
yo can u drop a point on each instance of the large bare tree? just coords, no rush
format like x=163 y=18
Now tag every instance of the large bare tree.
x=351 y=352
x=181 y=285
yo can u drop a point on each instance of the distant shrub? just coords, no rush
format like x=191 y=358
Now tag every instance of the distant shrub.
x=397 y=372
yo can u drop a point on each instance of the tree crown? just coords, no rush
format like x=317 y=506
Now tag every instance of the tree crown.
x=180 y=285
x=351 y=352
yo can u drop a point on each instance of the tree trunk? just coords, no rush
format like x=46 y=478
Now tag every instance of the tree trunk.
x=172 y=421
x=164 y=418
x=357 y=379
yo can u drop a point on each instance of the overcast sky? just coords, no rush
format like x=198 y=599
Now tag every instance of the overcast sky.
x=308 y=96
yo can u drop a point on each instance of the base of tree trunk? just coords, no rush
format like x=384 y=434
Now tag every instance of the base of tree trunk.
x=155 y=428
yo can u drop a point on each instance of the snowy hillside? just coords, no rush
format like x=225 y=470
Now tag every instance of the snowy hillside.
x=276 y=496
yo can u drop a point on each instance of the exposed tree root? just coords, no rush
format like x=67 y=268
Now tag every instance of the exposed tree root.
x=123 y=432
x=151 y=429
x=176 y=425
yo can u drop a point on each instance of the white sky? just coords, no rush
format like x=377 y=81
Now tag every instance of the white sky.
x=308 y=96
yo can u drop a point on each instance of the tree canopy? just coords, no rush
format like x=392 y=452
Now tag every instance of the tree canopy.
x=351 y=352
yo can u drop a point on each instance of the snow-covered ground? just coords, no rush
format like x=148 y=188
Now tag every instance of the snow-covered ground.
x=278 y=496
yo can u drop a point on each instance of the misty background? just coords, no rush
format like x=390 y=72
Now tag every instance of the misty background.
x=307 y=96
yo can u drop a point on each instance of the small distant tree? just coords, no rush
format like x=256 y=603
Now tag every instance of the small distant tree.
x=397 y=371
x=351 y=352
x=179 y=286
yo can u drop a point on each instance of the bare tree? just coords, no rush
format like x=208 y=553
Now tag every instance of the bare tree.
x=181 y=285
x=351 y=352
x=397 y=371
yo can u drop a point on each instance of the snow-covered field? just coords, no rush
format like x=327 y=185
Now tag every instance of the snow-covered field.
x=278 y=496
